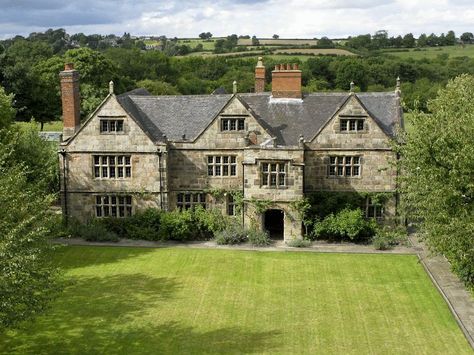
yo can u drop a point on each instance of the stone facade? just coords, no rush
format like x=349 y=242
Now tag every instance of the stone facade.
x=164 y=169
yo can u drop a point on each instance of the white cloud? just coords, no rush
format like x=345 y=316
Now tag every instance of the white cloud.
x=288 y=18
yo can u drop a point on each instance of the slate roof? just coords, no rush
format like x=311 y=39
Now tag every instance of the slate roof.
x=189 y=115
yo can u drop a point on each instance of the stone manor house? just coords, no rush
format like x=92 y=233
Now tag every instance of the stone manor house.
x=138 y=151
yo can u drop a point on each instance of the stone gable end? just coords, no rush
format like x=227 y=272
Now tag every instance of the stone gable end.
x=331 y=135
x=133 y=139
x=214 y=138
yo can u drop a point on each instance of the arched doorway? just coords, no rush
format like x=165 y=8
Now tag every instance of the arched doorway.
x=274 y=223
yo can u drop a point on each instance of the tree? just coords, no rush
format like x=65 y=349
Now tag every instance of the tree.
x=408 y=41
x=275 y=36
x=7 y=112
x=28 y=281
x=205 y=35
x=467 y=37
x=325 y=42
x=422 y=40
x=156 y=87
x=437 y=165
x=450 y=39
x=255 y=41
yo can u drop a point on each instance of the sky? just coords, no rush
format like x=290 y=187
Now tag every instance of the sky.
x=263 y=18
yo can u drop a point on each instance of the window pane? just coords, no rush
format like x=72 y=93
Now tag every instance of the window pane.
x=187 y=198
x=225 y=125
x=120 y=160
x=233 y=170
x=96 y=171
x=340 y=170
x=218 y=160
x=232 y=160
x=332 y=170
x=128 y=172
x=232 y=125
x=356 y=170
x=98 y=211
x=352 y=125
x=343 y=125
x=104 y=172
x=106 y=211
x=113 y=200
x=119 y=126
x=113 y=211
x=281 y=180
x=225 y=170
x=127 y=160
x=210 y=160
x=273 y=180
x=98 y=200
x=120 y=172
x=273 y=167
x=360 y=125
x=180 y=197
x=265 y=167
x=210 y=170
x=356 y=160
x=282 y=167
x=111 y=160
x=332 y=160
x=96 y=160
x=112 y=126
x=112 y=172
x=121 y=200
x=129 y=200
x=218 y=170
x=241 y=125
x=265 y=179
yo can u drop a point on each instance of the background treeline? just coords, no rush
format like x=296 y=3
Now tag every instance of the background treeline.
x=29 y=69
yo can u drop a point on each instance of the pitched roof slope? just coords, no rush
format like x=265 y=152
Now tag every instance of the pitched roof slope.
x=175 y=116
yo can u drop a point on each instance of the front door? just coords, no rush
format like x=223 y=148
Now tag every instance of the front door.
x=274 y=223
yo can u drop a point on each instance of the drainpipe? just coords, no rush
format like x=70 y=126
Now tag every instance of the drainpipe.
x=243 y=193
x=63 y=154
x=161 y=181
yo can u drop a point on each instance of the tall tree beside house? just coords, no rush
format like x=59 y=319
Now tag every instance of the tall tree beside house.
x=437 y=183
x=28 y=281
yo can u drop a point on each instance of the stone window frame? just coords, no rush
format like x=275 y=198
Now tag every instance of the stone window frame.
x=113 y=205
x=337 y=166
x=231 y=205
x=232 y=124
x=374 y=210
x=268 y=175
x=354 y=120
x=111 y=125
x=221 y=165
x=189 y=199
x=120 y=169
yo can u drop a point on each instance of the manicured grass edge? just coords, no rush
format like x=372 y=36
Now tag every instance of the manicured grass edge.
x=466 y=333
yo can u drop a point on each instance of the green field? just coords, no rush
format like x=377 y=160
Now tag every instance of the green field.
x=433 y=52
x=193 y=301
x=54 y=126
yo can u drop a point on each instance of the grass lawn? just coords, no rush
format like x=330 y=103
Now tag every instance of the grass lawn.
x=54 y=126
x=191 y=301
x=433 y=52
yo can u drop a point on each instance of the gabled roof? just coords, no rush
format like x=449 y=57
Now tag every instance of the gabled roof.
x=175 y=116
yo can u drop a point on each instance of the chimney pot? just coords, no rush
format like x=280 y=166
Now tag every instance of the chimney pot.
x=295 y=66
x=69 y=66
x=286 y=81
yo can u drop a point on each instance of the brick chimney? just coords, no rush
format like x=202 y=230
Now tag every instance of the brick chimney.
x=286 y=81
x=71 y=100
x=260 y=76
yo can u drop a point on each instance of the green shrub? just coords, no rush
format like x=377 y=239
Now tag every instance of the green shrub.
x=298 y=243
x=258 y=238
x=387 y=237
x=207 y=222
x=177 y=225
x=93 y=231
x=233 y=234
x=345 y=225
x=144 y=225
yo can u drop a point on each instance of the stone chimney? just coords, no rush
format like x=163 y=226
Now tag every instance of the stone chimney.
x=286 y=81
x=260 y=76
x=71 y=100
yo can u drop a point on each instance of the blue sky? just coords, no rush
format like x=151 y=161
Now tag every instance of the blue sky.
x=263 y=18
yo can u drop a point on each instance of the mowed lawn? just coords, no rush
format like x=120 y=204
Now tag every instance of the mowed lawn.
x=191 y=301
